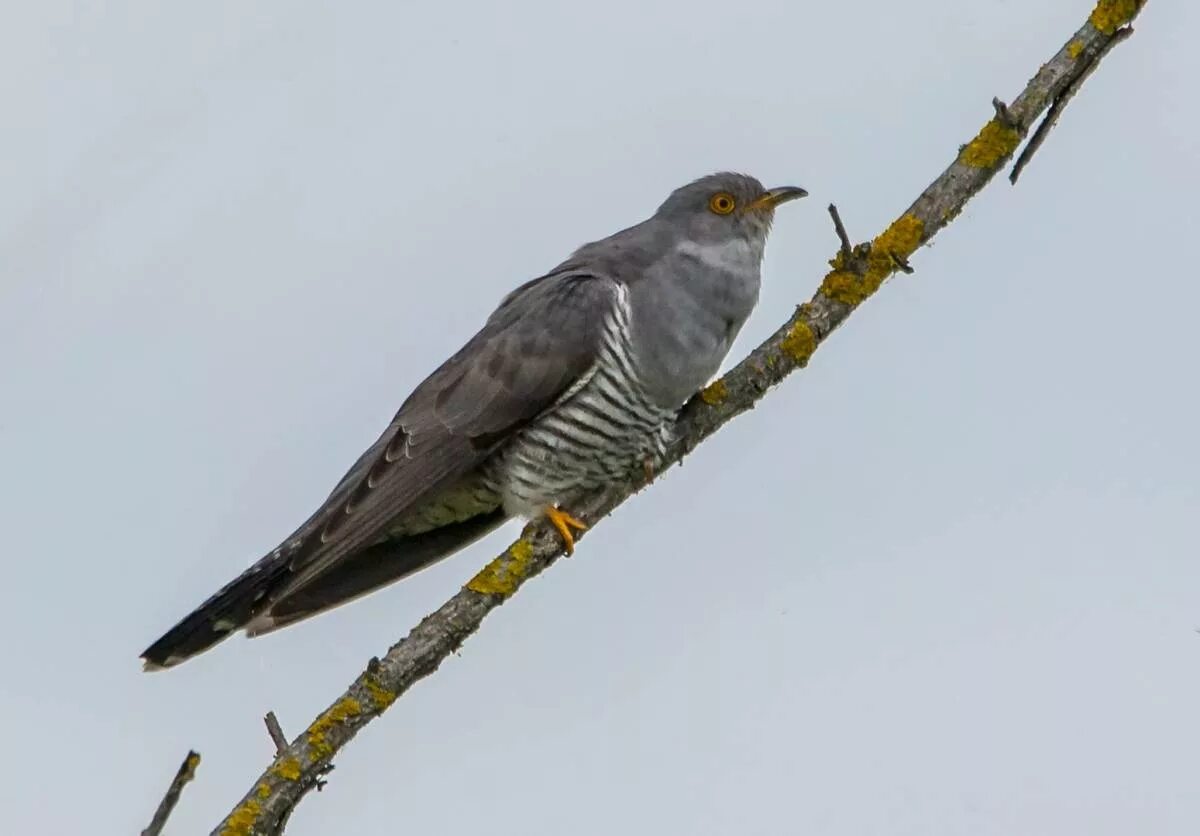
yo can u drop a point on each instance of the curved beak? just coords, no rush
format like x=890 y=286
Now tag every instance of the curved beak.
x=773 y=197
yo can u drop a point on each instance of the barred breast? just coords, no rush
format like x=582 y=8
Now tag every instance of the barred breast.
x=598 y=431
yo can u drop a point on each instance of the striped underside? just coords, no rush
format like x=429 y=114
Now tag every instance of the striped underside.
x=600 y=430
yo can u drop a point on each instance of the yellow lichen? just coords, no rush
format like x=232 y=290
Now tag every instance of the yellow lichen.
x=993 y=143
x=800 y=343
x=263 y=791
x=1075 y=48
x=715 y=393
x=898 y=241
x=382 y=697
x=242 y=820
x=901 y=239
x=1110 y=15
x=342 y=710
x=846 y=287
x=288 y=769
x=504 y=574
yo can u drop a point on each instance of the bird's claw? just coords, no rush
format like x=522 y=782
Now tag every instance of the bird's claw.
x=564 y=523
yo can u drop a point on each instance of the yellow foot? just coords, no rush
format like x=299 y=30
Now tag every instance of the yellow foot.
x=564 y=522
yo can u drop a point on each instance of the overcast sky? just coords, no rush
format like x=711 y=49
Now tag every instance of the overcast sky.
x=945 y=581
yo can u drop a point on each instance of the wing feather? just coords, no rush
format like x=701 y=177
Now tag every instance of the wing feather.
x=542 y=338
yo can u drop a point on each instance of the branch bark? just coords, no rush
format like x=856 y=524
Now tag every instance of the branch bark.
x=857 y=273
x=185 y=773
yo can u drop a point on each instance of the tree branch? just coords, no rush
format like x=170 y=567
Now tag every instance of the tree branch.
x=314 y=781
x=856 y=275
x=185 y=773
x=1087 y=63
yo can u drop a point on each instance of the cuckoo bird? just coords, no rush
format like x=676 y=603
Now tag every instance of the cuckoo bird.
x=574 y=380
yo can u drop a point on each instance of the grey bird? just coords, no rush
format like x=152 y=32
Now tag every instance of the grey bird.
x=574 y=381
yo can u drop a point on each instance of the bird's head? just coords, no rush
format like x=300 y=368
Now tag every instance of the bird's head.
x=722 y=207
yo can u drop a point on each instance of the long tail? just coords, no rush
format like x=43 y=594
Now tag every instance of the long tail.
x=259 y=600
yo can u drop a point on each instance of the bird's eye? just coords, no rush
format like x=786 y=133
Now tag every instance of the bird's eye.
x=722 y=203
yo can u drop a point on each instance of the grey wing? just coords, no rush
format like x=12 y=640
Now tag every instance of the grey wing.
x=542 y=339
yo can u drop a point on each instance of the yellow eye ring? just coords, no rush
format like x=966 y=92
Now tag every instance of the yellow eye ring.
x=722 y=203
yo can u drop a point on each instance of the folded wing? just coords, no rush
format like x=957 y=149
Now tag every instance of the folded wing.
x=540 y=341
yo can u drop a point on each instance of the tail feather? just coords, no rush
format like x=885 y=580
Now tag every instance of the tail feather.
x=220 y=616
x=260 y=599
x=371 y=568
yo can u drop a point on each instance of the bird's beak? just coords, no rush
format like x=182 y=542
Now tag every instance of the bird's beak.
x=773 y=197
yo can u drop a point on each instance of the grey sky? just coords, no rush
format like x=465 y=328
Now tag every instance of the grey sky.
x=944 y=581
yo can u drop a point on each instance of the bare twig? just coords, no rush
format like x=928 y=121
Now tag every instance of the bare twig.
x=1002 y=113
x=1087 y=64
x=276 y=732
x=275 y=793
x=185 y=773
x=847 y=249
x=900 y=262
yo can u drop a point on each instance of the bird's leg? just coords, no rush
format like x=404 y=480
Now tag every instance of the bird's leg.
x=649 y=464
x=564 y=522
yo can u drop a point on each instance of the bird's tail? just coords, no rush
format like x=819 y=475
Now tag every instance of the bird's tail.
x=262 y=599
x=369 y=569
x=221 y=615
